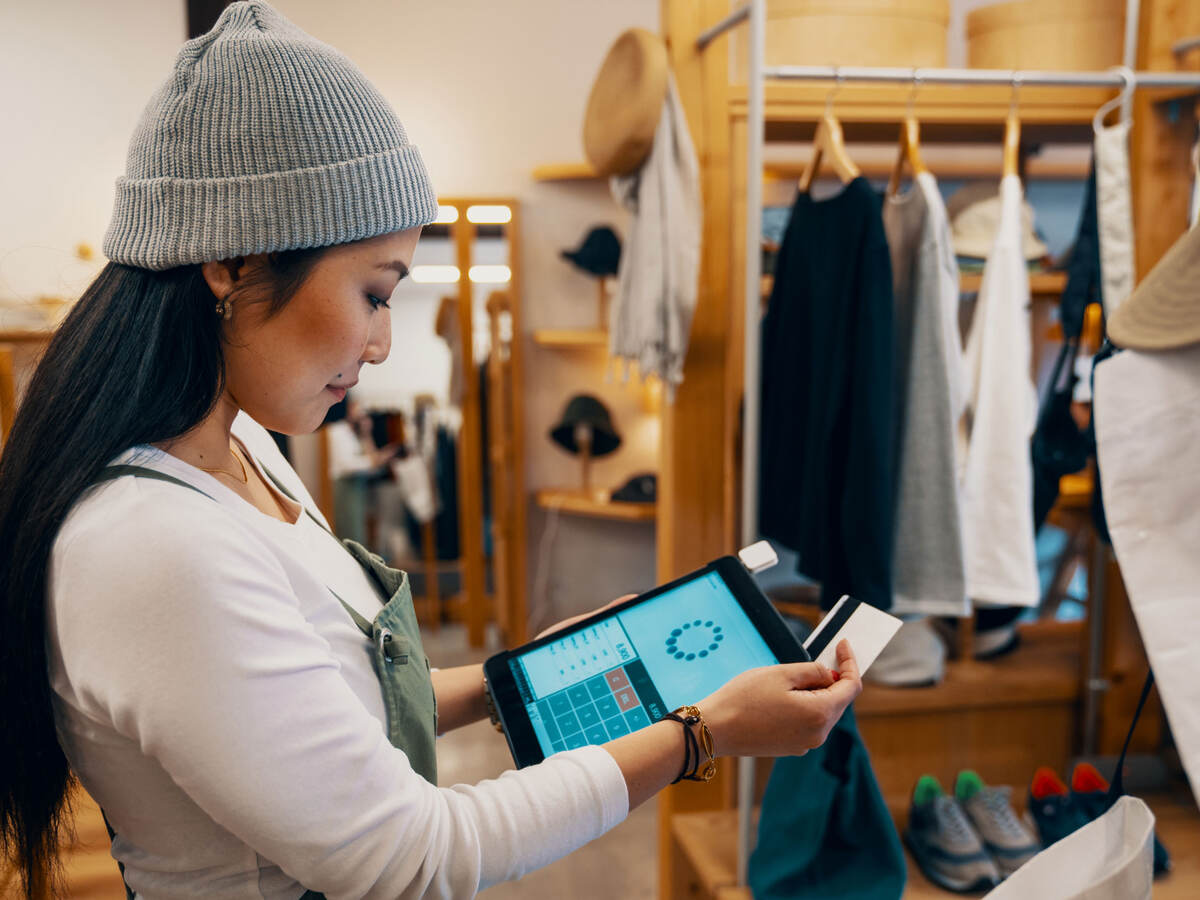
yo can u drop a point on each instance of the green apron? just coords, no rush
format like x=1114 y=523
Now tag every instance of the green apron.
x=399 y=659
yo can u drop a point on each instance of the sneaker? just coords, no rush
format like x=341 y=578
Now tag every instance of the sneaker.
x=1053 y=808
x=944 y=844
x=1005 y=837
x=1089 y=791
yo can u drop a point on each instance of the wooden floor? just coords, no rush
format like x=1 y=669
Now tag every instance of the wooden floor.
x=710 y=843
x=92 y=874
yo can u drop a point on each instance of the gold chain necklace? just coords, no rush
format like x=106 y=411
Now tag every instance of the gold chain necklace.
x=245 y=477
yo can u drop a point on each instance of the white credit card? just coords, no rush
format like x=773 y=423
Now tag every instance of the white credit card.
x=866 y=628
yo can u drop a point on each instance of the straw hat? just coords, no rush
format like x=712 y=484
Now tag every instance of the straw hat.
x=626 y=103
x=1164 y=312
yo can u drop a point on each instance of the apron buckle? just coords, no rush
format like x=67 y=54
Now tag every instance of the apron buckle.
x=388 y=646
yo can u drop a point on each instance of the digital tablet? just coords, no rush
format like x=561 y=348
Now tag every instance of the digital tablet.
x=626 y=667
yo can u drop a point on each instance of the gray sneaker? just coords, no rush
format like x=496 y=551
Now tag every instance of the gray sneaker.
x=944 y=844
x=1007 y=838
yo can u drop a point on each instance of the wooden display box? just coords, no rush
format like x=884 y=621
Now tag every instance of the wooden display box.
x=1066 y=35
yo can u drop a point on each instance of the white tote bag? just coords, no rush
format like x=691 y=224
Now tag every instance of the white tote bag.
x=1111 y=858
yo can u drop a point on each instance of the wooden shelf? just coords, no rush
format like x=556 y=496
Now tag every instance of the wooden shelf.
x=1036 y=168
x=573 y=171
x=571 y=338
x=1041 y=284
x=25 y=336
x=948 y=114
x=581 y=504
x=707 y=845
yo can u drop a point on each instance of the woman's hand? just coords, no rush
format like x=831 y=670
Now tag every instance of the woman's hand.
x=781 y=710
x=567 y=623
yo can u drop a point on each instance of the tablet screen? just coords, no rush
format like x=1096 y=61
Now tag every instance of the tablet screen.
x=626 y=671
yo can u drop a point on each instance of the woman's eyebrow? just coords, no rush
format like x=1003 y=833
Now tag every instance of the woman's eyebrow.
x=400 y=268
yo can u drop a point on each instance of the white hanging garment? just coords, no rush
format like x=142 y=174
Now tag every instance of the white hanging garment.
x=651 y=317
x=1147 y=414
x=928 y=575
x=1194 y=211
x=1114 y=214
x=1001 y=414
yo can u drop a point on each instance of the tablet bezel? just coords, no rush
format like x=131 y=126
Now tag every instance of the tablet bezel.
x=506 y=697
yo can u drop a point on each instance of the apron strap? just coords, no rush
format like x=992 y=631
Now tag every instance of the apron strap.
x=109 y=473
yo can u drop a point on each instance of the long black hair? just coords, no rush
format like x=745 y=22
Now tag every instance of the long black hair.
x=139 y=359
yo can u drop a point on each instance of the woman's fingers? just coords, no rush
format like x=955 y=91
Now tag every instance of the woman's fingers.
x=847 y=664
x=807 y=676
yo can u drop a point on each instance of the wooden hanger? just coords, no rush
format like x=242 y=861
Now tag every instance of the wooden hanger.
x=910 y=143
x=830 y=142
x=1012 y=136
x=910 y=152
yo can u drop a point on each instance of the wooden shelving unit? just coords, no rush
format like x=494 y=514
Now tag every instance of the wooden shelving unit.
x=581 y=504
x=1041 y=284
x=963 y=114
x=572 y=171
x=571 y=338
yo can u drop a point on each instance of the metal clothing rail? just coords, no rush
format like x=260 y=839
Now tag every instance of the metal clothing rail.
x=1014 y=77
x=754 y=13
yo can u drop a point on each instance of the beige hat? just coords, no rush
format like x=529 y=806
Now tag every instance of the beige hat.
x=626 y=103
x=1164 y=312
x=974 y=213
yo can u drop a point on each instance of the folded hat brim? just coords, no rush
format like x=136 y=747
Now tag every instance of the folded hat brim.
x=1163 y=313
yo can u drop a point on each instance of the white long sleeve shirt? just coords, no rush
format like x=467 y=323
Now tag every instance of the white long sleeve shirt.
x=221 y=707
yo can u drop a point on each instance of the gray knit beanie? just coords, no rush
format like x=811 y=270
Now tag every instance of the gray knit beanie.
x=263 y=139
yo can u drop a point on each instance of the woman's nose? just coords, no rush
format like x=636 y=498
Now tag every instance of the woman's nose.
x=379 y=338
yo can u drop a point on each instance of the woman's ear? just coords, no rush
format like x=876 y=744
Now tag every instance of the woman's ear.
x=224 y=276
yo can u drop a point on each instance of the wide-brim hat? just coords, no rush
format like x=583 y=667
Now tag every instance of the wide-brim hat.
x=599 y=254
x=584 y=409
x=974 y=213
x=1163 y=313
x=626 y=103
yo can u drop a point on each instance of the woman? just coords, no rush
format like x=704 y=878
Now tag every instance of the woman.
x=353 y=459
x=248 y=702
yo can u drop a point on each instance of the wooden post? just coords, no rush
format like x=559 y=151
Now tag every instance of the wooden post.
x=602 y=303
x=583 y=439
x=429 y=555
x=470 y=440
x=501 y=462
x=696 y=518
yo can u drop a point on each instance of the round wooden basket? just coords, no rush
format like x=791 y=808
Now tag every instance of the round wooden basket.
x=855 y=33
x=1064 y=35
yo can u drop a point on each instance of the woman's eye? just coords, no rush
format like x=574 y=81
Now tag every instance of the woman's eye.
x=377 y=302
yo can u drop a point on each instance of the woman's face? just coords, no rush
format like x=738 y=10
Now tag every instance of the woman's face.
x=286 y=371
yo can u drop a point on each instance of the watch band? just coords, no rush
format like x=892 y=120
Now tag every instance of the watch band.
x=491 y=707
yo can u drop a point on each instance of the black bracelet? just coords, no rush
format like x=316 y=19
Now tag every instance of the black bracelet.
x=691 y=749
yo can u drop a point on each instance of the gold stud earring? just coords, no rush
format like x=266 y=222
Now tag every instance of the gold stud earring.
x=224 y=308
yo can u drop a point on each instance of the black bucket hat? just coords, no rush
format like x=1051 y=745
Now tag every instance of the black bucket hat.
x=584 y=409
x=599 y=254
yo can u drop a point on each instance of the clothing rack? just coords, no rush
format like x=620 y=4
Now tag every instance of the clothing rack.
x=754 y=14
